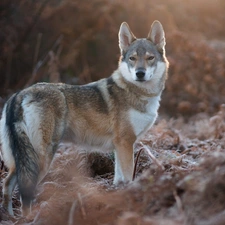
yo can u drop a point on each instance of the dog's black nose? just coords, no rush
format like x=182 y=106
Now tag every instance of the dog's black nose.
x=140 y=74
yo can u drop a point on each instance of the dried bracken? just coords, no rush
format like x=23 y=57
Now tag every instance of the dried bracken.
x=78 y=188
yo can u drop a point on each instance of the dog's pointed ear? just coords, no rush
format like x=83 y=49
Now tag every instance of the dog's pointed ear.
x=157 y=35
x=126 y=37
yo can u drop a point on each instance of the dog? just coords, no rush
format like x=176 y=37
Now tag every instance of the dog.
x=110 y=114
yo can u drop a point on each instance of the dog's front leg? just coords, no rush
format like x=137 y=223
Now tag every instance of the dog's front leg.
x=124 y=161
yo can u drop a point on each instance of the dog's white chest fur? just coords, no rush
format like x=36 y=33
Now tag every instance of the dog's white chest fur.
x=141 y=121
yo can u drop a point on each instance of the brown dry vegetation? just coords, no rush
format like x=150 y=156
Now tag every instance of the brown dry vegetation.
x=76 y=42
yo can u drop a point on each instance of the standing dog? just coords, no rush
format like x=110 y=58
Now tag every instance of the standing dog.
x=108 y=114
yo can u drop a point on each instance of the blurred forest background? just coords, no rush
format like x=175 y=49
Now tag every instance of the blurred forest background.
x=76 y=42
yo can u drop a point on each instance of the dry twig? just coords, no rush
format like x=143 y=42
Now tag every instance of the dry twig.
x=81 y=206
x=71 y=214
x=145 y=147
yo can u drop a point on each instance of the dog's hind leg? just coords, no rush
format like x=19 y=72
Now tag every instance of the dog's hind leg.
x=18 y=154
x=33 y=163
x=32 y=166
x=8 y=187
x=37 y=146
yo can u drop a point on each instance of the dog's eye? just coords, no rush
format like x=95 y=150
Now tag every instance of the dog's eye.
x=132 y=58
x=151 y=57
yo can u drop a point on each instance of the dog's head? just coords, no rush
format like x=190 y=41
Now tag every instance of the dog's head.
x=142 y=59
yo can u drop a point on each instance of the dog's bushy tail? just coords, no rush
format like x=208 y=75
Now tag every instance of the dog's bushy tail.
x=26 y=159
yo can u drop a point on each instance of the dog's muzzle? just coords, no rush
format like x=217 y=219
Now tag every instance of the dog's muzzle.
x=140 y=74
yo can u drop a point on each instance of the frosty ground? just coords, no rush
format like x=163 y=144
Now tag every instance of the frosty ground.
x=184 y=186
